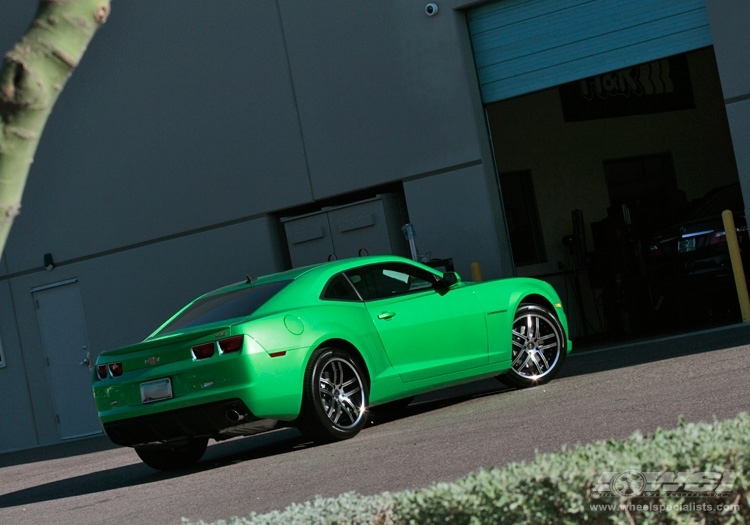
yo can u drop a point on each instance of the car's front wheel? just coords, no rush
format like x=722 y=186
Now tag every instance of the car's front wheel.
x=164 y=457
x=335 y=397
x=539 y=347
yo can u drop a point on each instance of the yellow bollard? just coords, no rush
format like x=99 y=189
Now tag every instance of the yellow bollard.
x=476 y=272
x=739 y=272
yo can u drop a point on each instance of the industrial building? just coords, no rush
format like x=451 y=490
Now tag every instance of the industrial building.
x=199 y=142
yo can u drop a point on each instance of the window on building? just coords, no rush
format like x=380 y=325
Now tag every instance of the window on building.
x=522 y=216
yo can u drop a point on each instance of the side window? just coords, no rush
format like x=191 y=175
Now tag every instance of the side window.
x=339 y=289
x=389 y=280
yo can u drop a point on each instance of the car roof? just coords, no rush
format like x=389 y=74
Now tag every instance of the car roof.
x=311 y=281
x=323 y=270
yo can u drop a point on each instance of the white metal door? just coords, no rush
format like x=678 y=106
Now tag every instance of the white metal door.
x=63 y=330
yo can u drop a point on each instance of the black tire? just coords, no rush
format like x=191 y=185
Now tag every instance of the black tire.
x=173 y=457
x=539 y=347
x=335 y=397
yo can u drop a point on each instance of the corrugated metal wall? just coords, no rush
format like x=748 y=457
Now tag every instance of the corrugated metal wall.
x=521 y=46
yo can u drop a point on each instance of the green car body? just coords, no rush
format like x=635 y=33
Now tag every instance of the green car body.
x=318 y=347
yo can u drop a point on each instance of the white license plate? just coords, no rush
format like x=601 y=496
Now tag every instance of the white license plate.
x=686 y=245
x=156 y=390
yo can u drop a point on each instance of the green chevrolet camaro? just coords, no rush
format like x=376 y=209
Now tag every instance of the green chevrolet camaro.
x=317 y=348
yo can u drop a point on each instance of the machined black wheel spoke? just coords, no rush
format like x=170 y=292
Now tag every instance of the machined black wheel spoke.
x=326 y=388
x=349 y=408
x=522 y=355
x=540 y=355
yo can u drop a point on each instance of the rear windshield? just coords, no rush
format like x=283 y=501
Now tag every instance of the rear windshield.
x=230 y=305
x=713 y=203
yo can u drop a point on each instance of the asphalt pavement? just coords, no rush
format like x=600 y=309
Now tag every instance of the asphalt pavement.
x=604 y=392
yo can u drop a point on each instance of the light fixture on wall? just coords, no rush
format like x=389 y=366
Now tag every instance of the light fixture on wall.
x=49 y=263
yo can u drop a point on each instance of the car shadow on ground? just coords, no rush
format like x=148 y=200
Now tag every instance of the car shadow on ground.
x=218 y=455
x=269 y=444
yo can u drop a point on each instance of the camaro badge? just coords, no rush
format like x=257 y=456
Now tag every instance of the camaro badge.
x=151 y=361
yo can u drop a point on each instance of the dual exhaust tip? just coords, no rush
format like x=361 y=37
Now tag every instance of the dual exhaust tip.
x=234 y=417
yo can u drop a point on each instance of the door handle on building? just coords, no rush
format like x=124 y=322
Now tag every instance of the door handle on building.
x=87 y=361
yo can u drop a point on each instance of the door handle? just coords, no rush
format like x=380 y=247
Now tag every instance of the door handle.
x=386 y=315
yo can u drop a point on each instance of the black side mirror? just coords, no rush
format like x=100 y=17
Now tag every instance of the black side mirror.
x=442 y=285
x=450 y=278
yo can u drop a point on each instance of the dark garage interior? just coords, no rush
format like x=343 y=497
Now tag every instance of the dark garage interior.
x=592 y=173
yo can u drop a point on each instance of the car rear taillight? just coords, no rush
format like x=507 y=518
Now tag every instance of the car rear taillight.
x=203 y=351
x=109 y=370
x=232 y=344
x=721 y=236
x=226 y=346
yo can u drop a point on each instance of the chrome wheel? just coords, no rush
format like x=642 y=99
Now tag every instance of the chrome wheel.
x=538 y=346
x=335 y=396
x=342 y=393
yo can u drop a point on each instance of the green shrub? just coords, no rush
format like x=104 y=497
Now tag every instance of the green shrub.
x=560 y=488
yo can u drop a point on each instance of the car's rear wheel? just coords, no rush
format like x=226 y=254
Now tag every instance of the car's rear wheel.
x=334 y=401
x=166 y=457
x=539 y=347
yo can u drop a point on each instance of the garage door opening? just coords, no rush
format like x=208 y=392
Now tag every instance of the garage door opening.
x=606 y=178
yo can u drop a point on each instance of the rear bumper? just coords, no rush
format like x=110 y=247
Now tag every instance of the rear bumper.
x=207 y=420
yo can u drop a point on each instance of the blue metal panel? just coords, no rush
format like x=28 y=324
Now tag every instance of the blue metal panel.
x=522 y=46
